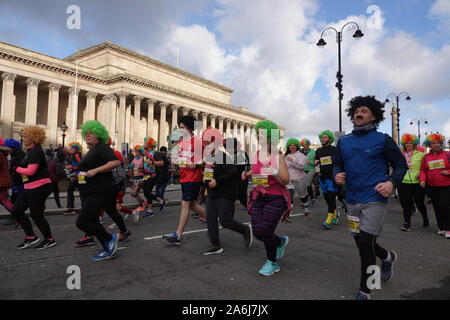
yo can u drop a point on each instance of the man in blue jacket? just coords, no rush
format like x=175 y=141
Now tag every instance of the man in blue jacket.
x=361 y=161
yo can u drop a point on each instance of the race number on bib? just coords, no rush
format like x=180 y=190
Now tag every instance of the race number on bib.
x=410 y=167
x=82 y=177
x=325 y=161
x=208 y=174
x=182 y=162
x=260 y=180
x=436 y=164
x=24 y=178
x=353 y=224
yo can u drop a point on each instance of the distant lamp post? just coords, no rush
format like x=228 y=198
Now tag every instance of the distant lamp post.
x=421 y=120
x=397 y=98
x=21 y=137
x=321 y=43
x=64 y=128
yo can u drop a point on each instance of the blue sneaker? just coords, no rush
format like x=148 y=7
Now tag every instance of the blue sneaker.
x=173 y=239
x=362 y=296
x=102 y=255
x=148 y=214
x=387 y=269
x=280 y=248
x=111 y=246
x=269 y=268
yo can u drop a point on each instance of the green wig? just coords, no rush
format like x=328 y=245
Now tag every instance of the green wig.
x=268 y=126
x=97 y=129
x=328 y=133
x=294 y=141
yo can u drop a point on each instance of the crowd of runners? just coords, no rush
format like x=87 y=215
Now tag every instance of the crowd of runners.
x=361 y=171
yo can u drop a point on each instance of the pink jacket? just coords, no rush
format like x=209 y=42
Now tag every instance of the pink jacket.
x=431 y=168
x=297 y=165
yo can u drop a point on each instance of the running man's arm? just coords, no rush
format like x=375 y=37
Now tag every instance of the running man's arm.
x=396 y=160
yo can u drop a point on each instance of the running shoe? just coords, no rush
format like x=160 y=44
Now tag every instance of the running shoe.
x=327 y=223
x=124 y=236
x=195 y=215
x=362 y=296
x=47 y=243
x=387 y=269
x=163 y=205
x=248 y=237
x=447 y=234
x=85 y=241
x=335 y=217
x=441 y=233
x=111 y=245
x=172 y=239
x=313 y=202
x=102 y=255
x=202 y=219
x=148 y=214
x=29 y=241
x=307 y=211
x=287 y=220
x=112 y=226
x=406 y=227
x=281 y=247
x=69 y=212
x=269 y=268
x=136 y=215
x=212 y=250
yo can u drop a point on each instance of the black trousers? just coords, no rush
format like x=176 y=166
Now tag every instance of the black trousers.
x=440 y=198
x=70 y=197
x=35 y=200
x=148 y=188
x=410 y=193
x=222 y=210
x=88 y=218
x=242 y=192
x=55 y=190
x=369 y=250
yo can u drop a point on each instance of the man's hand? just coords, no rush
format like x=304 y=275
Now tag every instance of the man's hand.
x=385 y=188
x=91 y=173
x=212 y=184
x=289 y=159
x=246 y=175
x=340 y=178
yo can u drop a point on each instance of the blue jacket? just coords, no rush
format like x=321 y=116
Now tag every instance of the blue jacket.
x=365 y=156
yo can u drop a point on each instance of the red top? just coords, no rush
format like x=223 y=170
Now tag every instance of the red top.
x=431 y=168
x=190 y=151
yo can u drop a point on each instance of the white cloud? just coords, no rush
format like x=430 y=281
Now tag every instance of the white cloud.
x=440 y=10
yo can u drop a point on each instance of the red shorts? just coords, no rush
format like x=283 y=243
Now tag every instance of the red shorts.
x=120 y=197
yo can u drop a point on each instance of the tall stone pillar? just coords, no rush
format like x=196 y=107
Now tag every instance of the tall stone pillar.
x=227 y=128
x=31 y=104
x=235 y=129
x=197 y=128
x=221 y=125
x=137 y=120
x=8 y=106
x=72 y=114
x=204 y=120
x=174 y=117
x=52 y=114
x=150 y=117
x=121 y=117
x=162 y=125
x=90 y=105
x=213 y=121
x=128 y=124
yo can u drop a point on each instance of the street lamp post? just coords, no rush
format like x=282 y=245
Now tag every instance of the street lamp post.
x=64 y=128
x=339 y=76
x=418 y=125
x=397 y=98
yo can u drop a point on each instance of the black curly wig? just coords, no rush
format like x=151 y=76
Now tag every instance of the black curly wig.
x=375 y=106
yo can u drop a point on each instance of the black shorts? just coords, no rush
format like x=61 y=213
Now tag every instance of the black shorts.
x=190 y=190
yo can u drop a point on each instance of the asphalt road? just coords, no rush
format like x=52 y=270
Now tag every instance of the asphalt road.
x=317 y=265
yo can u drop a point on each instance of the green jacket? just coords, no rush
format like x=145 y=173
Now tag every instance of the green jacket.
x=414 y=168
x=311 y=155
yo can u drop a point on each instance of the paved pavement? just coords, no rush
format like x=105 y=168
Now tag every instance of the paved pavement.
x=317 y=265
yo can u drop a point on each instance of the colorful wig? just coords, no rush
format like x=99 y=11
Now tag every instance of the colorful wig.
x=148 y=141
x=268 y=126
x=409 y=138
x=118 y=155
x=305 y=142
x=2 y=143
x=294 y=141
x=77 y=146
x=13 y=144
x=139 y=149
x=328 y=133
x=97 y=129
x=36 y=133
x=434 y=137
x=212 y=135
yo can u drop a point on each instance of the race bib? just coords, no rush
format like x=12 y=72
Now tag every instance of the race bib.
x=324 y=161
x=146 y=177
x=208 y=174
x=260 y=180
x=182 y=162
x=411 y=167
x=353 y=224
x=436 y=164
x=82 y=177
x=24 y=178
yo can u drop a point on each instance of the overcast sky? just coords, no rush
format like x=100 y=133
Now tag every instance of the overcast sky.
x=266 y=50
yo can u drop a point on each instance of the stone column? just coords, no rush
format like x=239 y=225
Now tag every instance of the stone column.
x=127 y=124
x=235 y=129
x=227 y=128
x=221 y=125
x=31 y=104
x=108 y=117
x=137 y=119
x=8 y=107
x=90 y=105
x=241 y=134
x=174 y=117
x=213 y=121
x=196 y=128
x=72 y=114
x=121 y=117
x=52 y=114
x=162 y=125
x=150 y=117
x=204 y=120
x=247 y=138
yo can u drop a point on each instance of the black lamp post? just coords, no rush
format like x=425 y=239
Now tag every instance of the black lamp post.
x=397 y=98
x=64 y=128
x=339 y=76
x=418 y=125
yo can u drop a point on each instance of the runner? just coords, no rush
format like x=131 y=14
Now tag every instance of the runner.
x=361 y=160
x=74 y=158
x=220 y=177
x=242 y=163
x=269 y=201
x=120 y=185
x=137 y=173
x=296 y=162
x=56 y=171
x=409 y=191
x=17 y=155
x=188 y=156
x=329 y=188
x=37 y=184
x=5 y=177
x=310 y=169
x=96 y=186
x=435 y=175
x=162 y=175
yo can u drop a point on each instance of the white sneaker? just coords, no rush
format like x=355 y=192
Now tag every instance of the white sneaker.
x=125 y=216
x=136 y=215
x=112 y=226
x=441 y=233
x=447 y=235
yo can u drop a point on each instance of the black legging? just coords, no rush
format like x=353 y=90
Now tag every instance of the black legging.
x=70 y=196
x=148 y=187
x=35 y=200
x=369 y=249
x=242 y=192
x=330 y=198
x=55 y=190
x=440 y=198
x=410 y=193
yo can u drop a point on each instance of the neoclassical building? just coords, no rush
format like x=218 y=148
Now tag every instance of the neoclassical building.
x=131 y=94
